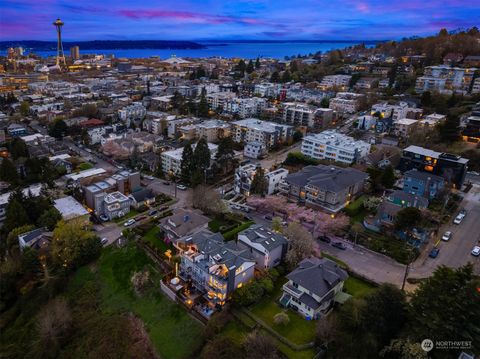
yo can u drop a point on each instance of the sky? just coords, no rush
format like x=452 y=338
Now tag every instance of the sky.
x=242 y=19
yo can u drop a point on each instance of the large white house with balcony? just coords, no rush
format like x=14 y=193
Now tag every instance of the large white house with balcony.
x=313 y=287
x=328 y=187
x=244 y=176
x=334 y=146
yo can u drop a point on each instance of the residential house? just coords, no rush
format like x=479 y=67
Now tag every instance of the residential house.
x=244 y=176
x=116 y=205
x=313 y=287
x=266 y=246
x=183 y=222
x=39 y=238
x=70 y=208
x=143 y=197
x=423 y=184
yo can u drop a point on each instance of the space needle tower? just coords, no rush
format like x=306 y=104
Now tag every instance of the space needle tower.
x=60 y=54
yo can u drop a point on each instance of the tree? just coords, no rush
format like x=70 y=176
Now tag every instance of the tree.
x=388 y=177
x=225 y=154
x=208 y=200
x=286 y=76
x=24 y=108
x=375 y=177
x=16 y=216
x=201 y=155
x=203 y=104
x=187 y=165
x=260 y=346
x=426 y=99
x=18 y=148
x=259 y=182
x=276 y=224
x=443 y=32
x=221 y=347
x=300 y=242
x=408 y=218
x=73 y=244
x=140 y=281
x=12 y=238
x=8 y=172
x=58 y=129
x=275 y=77
x=326 y=330
x=325 y=102
x=403 y=349
x=446 y=303
x=49 y=218
x=449 y=130
x=257 y=63
x=249 y=69
x=297 y=136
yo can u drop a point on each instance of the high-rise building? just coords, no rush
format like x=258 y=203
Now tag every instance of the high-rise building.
x=18 y=51
x=75 y=52
x=60 y=54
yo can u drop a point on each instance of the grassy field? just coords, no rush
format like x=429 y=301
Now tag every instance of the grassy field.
x=298 y=330
x=357 y=287
x=153 y=237
x=172 y=331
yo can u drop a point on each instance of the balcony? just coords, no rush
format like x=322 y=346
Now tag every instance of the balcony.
x=287 y=288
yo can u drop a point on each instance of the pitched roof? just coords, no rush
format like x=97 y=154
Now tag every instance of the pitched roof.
x=263 y=236
x=318 y=275
x=142 y=194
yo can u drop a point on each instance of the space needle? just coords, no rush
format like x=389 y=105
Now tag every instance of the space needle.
x=60 y=54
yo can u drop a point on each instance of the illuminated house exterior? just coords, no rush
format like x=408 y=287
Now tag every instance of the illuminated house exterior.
x=452 y=168
x=212 y=266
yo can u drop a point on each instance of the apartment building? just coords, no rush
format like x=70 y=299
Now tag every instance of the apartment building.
x=175 y=124
x=267 y=133
x=255 y=149
x=172 y=160
x=245 y=107
x=214 y=267
x=134 y=112
x=340 y=82
x=116 y=205
x=244 y=176
x=266 y=89
x=396 y=112
x=347 y=102
x=452 y=168
x=335 y=146
x=301 y=114
x=211 y=130
x=313 y=287
x=220 y=99
x=404 y=127
x=328 y=187
x=445 y=79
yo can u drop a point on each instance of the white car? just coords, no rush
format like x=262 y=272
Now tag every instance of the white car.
x=476 y=251
x=129 y=222
x=104 y=241
x=447 y=236
x=181 y=187
x=459 y=218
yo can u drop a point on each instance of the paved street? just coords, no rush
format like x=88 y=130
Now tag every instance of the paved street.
x=111 y=231
x=100 y=163
x=278 y=157
x=455 y=252
x=157 y=186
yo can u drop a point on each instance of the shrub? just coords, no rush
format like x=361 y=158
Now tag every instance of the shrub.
x=281 y=318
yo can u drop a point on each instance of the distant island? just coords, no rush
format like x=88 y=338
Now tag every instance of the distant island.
x=103 y=44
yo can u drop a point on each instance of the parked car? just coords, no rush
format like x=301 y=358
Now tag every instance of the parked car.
x=140 y=218
x=129 y=222
x=476 y=251
x=447 y=236
x=460 y=216
x=152 y=212
x=104 y=241
x=324 y=238
x=181 y=187
x=434 y=252
x=166 y=183
x=104 y=218
x=268 y=217
x=339 y=245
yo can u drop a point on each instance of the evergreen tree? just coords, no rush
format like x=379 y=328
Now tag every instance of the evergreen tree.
x=58 y=129
x=198 y=177
x=259 y=183
x=49 y=218
x=24 y=108
x=18 y=148
x=187 y=164
x=325 y=102
x=388 y=177
x=293 y=66
x=241 y=67
x=225 y=153
x=275 y=77
x=8 y=172
x=450 y=129
x=257 y=63
x=16 y=216
x=250 y=68
x=203 y=104
x=201 y=155
x=286 y=76
x=426 y=99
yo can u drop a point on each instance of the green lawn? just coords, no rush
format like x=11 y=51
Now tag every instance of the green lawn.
x=298 y=330
x=357 y=287
x=172 y=331
x=154 y=238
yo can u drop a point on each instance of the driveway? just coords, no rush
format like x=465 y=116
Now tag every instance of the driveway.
x=111 y=231
x=183 y=197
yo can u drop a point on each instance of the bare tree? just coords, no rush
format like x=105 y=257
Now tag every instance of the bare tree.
x=301 y=244
x=326 y=330
x=260 y=346
x=140 y=281
x=54 y=325
x=208 y=200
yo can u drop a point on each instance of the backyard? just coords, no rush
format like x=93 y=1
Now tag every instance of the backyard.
x=228 y=225
x=154 y=237
x=173 y=333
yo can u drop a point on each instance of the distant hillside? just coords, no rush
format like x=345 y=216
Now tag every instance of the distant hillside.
x=436 y=47
x=103 y=44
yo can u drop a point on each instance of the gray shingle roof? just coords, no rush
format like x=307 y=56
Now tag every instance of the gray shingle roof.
x=264 y=236
x=330 y=178
x=318 y=275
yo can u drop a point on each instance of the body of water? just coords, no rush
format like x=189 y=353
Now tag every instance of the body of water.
x=249 y=50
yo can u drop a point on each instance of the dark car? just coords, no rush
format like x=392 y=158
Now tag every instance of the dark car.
x=140 y=218
x=166 y=183
x=339 y=245
x=268 y=217
x=434 y=252
x=152 y=212
x=324 y=238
